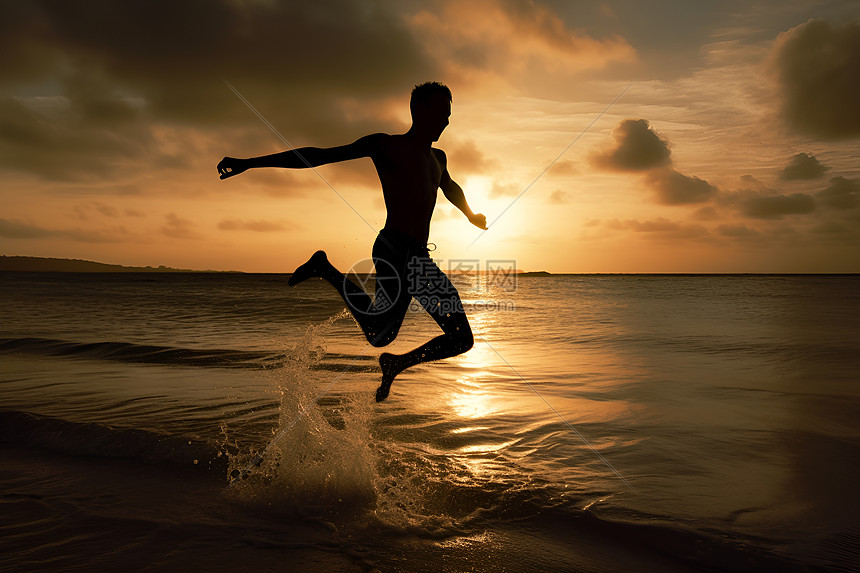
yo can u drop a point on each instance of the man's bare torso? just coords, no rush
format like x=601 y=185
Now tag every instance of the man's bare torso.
x=410 y=175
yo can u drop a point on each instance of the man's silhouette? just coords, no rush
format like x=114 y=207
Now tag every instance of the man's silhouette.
x=410 y=171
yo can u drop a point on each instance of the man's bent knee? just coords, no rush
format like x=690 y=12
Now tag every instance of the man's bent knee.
x=463 y=340
x=383 y=337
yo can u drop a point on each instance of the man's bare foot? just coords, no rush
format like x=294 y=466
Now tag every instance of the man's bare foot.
x=388 y=363
x=313 y=268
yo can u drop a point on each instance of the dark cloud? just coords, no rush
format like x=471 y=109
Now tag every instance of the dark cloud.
x=830 y=228
x=174 y=54
x=259 y=226
x=92 y=81
x=706 y=213
x=762 y=202
x=818 y=66
x=56 y=143
x=14 y=229
x=760 y=206
x=637 y=148
x=521 y=41
x=674 y=188
x=740 y=232
x=803 y=166
x=755 y=183
x=841 y=194
x=659 y=228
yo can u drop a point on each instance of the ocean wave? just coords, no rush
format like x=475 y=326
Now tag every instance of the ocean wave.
x=152 y=354
x=26 y=430
x=435 y=503
x=703 y=549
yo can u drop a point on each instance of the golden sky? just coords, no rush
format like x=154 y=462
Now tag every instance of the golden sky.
x=734 y=148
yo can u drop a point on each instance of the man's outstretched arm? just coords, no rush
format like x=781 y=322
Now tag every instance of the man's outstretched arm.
x=455 y=195
x=300 y=158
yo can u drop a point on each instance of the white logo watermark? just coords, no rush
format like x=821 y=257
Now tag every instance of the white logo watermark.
x=428 y=287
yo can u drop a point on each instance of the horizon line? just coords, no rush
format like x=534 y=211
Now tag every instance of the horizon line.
x=99 y=267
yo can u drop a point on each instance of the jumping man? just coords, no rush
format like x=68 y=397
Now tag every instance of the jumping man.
x=411 y=171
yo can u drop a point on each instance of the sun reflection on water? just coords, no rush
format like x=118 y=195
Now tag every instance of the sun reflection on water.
x=471 y=400
x=473 y=397
x=479 y=403
x=468 y=429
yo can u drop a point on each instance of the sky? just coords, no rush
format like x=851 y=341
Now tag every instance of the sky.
x=597 y=137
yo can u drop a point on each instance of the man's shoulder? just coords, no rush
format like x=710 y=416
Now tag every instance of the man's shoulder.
x=440 y=155
x=375 y=141
x=375 y=138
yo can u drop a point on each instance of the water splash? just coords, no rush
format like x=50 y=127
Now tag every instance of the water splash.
x=319 y=455
x=327 y=459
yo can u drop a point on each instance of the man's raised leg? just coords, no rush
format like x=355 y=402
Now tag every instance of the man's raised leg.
x=317 y=266
x=457 y=337
x=379 y=325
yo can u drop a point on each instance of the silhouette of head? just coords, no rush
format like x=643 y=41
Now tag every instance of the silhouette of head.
x=430 y=105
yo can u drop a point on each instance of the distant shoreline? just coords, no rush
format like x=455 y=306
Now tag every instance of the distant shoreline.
x=56 y=265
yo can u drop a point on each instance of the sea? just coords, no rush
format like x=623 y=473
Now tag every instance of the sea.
x=227 y=422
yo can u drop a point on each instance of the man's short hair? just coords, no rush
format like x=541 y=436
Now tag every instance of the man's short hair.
x=422 y=93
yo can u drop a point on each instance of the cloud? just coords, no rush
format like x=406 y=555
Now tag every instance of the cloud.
x=637 y=148
x=762 y=202
x=14 y=229
x=259 y=226
x=504 y=190
x=659 y=228
x=465 y=157
x=510 y=40
x=559 y=197
x=178 y=228
x=818 y=66
x=755 y=183
x=739 y=232
x=175 y=64
x=706 y=213
x=54 y=140
x=803 y=166
x=90 y=84
x=674 y=188
x=760 y=206
x=563 y=167
x=841 y=194
x=830 y=228
x=84 y=210
x=92 y=87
